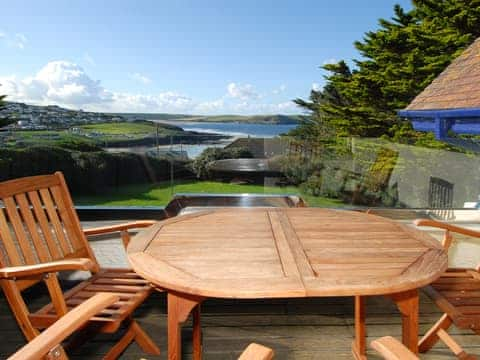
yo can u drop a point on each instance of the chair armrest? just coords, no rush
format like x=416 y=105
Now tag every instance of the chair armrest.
x=64 y=327
x=39 y=269
x=392 y=349
x=446 y=226
x=119 y=227
x=447 y=241
x=257 y=352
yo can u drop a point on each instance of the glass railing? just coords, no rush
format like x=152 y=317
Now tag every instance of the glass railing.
x=114 y=166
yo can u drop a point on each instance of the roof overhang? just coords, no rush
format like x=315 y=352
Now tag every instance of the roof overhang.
x=441 y=122
x=442 y=114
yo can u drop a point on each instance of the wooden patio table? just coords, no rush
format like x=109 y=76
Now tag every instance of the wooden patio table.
x=286 y=253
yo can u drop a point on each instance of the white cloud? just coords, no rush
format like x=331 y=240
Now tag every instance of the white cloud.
x=20 y=41
x=89 y=59
x=280 y=89
x=168 y=101
x=67 y=84
x=140 y=78
x=316 y=87
x=287 y=106
x=245 y=107
x=17 y=40
x=59 y=82
x=330 y=61
x=209 y=107
x=243 y=92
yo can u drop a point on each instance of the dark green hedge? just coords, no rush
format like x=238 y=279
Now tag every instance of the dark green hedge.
x=86 y=172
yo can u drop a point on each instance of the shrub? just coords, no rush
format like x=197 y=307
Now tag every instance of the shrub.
x=201 y=163
x=78 y=145
x=86 y=172
x=297 y=169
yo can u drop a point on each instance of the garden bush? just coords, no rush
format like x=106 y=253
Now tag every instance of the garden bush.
x=85 y=172
x=201 y=163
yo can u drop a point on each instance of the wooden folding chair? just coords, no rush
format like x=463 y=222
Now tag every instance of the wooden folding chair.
x=40 y=235
x=456 y=293
x=392 y=349
x=48 y=343
x=257 y=352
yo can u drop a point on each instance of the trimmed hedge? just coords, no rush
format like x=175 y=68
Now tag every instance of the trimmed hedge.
x=86 y=172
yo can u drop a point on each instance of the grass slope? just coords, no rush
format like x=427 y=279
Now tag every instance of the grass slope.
x=160 y=194
x=254 y=119
x=136 y=128
x=103 y=132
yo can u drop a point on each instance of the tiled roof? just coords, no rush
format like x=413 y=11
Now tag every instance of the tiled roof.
x=457 y=87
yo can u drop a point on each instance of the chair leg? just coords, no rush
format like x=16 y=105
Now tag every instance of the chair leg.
x=454 y=346
x=431 y=337
x=134 y=333
x=438 y=332
x=121 y=345
x=144 y=341
x=81 y=337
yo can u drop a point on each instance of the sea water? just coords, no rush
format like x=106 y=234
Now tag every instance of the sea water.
x=232 y=129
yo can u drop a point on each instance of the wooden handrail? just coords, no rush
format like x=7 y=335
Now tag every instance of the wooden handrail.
x=49 y=339
x=49 y=267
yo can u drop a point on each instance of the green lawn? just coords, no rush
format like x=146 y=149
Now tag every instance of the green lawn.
x=113 y=131
x=122 y=128
x=160 y=194
x=48 y=137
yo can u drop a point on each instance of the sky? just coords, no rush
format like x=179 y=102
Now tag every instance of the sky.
x=191 y=57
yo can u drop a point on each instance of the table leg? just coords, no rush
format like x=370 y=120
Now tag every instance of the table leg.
x=359 y=344
x=197 y=334
x=407 y=303
x=179 y=308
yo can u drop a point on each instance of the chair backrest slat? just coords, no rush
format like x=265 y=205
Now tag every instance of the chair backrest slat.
x=19 y=230
x=14 y=258
x=55 y=220
x=39 y=223
x=31 y=225
x=71 y=230
x=45 y=228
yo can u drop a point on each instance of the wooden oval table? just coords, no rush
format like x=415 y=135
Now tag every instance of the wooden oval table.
x=286 y=253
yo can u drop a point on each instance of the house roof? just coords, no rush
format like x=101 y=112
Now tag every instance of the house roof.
x=457 y=87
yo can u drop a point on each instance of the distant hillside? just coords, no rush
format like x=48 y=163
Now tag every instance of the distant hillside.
x=34 y=116
x=259 y=119
x=37 y=117
x=159 y=116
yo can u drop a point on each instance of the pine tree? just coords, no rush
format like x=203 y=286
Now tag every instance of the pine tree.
x=397 y=62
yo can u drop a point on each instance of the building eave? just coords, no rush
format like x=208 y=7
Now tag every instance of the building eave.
x=441 y=113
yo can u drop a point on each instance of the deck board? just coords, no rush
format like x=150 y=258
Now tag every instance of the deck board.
x=320 y=328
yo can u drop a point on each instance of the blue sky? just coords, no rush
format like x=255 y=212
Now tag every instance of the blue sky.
x=209 y=56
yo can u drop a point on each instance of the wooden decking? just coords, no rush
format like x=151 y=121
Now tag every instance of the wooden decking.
x=319 y=328
x=297 y=329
